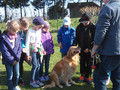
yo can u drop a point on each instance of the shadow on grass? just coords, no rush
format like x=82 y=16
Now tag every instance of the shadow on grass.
x=26 y=77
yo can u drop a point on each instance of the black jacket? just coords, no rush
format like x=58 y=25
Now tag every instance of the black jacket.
x=84 y=36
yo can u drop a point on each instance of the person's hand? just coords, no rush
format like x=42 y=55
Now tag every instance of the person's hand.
x=93 y=52
x=24 y=50
x=28 y=58
x=15 y=62
x=86 y=50
x=61 y=45
x=44 y=52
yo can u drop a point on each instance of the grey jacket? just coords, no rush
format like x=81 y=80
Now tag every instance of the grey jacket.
x=107 y=34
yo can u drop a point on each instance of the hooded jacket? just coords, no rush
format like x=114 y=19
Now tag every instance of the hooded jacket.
x=84 y=36
x=66 y=37
x=10 y=55
x=47 y=42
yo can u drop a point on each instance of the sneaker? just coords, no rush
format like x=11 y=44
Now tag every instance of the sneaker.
x=108 y=81
x=32 y=83
x=46 y=78
x=81 y=79
x=16 y=88
x=89 y=80
x=20 y=82
x=39 y=83
x=42 y=79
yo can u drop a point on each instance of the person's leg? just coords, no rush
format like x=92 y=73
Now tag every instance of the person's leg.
x=33 y=70
x=34 y=66
x=16 y=74
x=47 y=64
x=41 y=66
x=37 y=71
x=82 y=67
x=22 y=58
x=9 y=70
x=38 y=67
x=21 y=64
x=101 y=73
x=63 y=54
x=115 y=75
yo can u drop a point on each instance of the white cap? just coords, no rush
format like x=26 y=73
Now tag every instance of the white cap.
x=66 y=21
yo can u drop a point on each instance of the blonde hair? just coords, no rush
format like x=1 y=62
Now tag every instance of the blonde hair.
x=13 y=26
x=24 y=22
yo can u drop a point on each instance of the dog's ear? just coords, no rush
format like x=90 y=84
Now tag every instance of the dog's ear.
x=69 y=53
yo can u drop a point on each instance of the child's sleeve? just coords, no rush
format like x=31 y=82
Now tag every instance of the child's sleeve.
x=6 y=54
x=59 y=36
x=51 y=41
x=19 y=51
x=28 y=42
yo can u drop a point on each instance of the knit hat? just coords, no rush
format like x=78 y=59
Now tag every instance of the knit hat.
x=66 y=21
x=38 y=21
x=85 y=18
x=46 y=25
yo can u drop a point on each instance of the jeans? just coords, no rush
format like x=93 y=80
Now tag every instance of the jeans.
x=46 y=58
x=35 y=66
x=101 y=73
x=12 y=75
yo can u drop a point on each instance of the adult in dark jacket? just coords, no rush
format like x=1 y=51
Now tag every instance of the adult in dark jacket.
x=10 y=47
x=84 y=38
x=107 y=45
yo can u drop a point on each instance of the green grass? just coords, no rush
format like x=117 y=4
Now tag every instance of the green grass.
x=54 y=58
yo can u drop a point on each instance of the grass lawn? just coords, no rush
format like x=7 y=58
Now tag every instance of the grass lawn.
x=54 y=58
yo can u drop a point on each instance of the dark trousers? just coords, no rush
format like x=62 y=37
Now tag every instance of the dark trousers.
x=46 y=58
x=85 y=64
x=22 y=58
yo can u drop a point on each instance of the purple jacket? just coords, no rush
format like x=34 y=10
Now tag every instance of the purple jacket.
x=47 y=41
x=9 y=54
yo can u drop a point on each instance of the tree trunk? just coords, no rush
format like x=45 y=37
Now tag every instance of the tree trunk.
x=5 y=9
x=101 y=3
x=63 y=9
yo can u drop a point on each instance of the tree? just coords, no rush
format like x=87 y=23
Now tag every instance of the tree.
x=56 y=9
x=3 y=3
x=38 y=4
x=18 y=4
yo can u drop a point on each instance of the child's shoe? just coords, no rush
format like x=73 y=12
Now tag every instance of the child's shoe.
x=21 y=83
x=81 y=79
x=46 y=78
x=32 y=83
x=39 y=83
x=89 y=80
x=16 y=88
x=42 y=79
x=108 y=81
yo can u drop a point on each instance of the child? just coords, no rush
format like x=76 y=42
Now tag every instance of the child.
x=11 y=52
x=34 y=37
x=84 y=38
x=24 y=25
x=47 y=42
x=66 y=35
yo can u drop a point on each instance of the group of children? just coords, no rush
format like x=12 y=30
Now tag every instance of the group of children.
x=36 y=45
x=20 y=43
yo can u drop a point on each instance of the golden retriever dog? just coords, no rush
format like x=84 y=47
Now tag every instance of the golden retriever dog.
x=64 y=69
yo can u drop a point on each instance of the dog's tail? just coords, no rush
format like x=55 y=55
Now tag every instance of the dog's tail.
x=49 y=85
